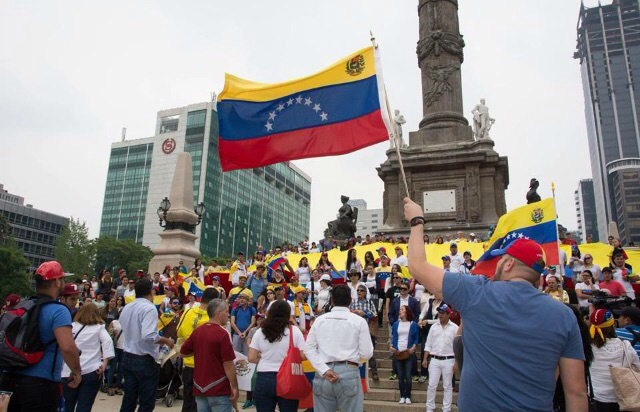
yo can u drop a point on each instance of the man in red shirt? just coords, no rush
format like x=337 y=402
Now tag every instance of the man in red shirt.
x=614 y=287
x=215 y=385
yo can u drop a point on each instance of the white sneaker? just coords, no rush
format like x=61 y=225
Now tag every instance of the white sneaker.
x=401 y=400
x=407 y=401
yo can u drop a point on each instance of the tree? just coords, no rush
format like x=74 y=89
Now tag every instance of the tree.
x=14 y=275
x=73 y=249
x=114 y=254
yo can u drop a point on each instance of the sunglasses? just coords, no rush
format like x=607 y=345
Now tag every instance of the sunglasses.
x=404 y=288
x=175 y=302
x=269 y=293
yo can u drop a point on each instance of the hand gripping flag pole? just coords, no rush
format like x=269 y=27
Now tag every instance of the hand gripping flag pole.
x=386 y=114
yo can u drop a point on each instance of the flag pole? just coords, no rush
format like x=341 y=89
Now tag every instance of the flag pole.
x=555 y=210
x=392 y=133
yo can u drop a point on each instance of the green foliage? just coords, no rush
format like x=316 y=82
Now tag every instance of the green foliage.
x=114 y=254
x=73 y=249
x=4 y=229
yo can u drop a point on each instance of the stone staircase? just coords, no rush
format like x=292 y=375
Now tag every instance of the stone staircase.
x=383 y=396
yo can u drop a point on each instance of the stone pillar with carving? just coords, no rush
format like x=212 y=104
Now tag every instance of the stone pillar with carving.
x=440 y=57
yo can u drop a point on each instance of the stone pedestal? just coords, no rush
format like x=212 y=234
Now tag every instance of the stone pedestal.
x=178 y=240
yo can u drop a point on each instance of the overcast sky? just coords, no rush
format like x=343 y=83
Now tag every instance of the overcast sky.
x=73 y=73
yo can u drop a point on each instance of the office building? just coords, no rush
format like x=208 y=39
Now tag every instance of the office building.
x=264 y=206
x=608 y=50
x=586 y=210
x=369 y=220
x=35 y=231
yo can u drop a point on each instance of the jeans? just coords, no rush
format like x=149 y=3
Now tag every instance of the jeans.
x=115 y=366
x=213 y=403
x=30 y=394
x=437 y=368
x=265 y=398
x=404 y=367
x=188 y=400
x=81 y=399
x=346 y=394
x=141 y=375
x=240 y=345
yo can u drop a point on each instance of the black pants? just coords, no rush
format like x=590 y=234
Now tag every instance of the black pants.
x=30 y=394
x=373 y=364
x=606 y=407
x=188 y=400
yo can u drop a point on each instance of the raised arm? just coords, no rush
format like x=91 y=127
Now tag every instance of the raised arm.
x=429 y=275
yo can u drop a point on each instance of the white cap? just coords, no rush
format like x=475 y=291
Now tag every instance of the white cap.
x=472 y=234
x=325 y=277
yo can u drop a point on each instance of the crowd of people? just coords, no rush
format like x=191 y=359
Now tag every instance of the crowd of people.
x=111 y=329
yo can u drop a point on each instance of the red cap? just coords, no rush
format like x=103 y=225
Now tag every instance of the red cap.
x=12 y=300
x=526 y=251
x=50 y=270
x=381 y=249
x=70 y=289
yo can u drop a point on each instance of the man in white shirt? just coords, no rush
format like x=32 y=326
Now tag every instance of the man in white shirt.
x=438 y=356
x=400 y=259
x=238 y=268
x=456 y=259
x=337 y=361
x=139 y=320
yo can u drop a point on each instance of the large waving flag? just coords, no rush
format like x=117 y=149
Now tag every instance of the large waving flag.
x=336 y=111
x=535 y=221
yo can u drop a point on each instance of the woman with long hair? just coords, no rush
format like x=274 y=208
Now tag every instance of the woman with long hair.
x=120 y=304
x=324 y=265
x=96 y=348
x=268 y=348
x=576 y=263
x=396 y=271
x=353 y=263
x=270 y=296
x=439 y=240
x=110 y=312
x=404 y=339
x=368 y=258
x=303 y=272
x=87 y=291
x=592 y=267
x=608 y=350
x=94 y=282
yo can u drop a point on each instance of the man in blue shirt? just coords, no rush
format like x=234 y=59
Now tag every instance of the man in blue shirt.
x=242 y=320
x=37 y=388
x=507 y=323
x=629 y=329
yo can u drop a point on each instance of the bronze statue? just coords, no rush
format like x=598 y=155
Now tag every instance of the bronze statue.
x=344 y=227
x=532 y=194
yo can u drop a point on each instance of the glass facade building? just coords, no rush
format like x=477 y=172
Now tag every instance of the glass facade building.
x=35 y=231
x=244 y=208
x=586 y=210
x=608 y=49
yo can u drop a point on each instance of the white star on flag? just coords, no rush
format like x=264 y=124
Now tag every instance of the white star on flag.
x=316 y=107
x=299 y=99
x=272 y=115
x=520 y=236
x=280 y=107
x=269 y=126
x=323 y=116
x=307 y=101
x=290 y=101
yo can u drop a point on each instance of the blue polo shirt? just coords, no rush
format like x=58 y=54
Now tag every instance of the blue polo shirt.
x=243 y=316
x=624 y=333
x=507 y=325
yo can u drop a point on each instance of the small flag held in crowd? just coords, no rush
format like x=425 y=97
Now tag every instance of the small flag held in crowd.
x=535 y=221
x=335 y=111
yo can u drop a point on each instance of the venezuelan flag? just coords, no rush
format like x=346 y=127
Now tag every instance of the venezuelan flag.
x=535 y=221
x=335 y=111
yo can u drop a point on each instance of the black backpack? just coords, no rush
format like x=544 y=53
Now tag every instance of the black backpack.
x=20 y=344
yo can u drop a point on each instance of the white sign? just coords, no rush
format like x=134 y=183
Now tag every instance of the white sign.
x=439 y=201
x=244 y=371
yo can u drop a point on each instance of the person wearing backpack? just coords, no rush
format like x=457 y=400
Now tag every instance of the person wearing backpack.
x=629 y=322
x=43 y=332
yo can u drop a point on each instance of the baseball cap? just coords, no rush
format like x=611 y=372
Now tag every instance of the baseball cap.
x=12 y=300
x=297 y=289
x=444 y=308
x=325 y=277
x=453 y=244
x=242 y=275
x=381 y=249
x=472 y=234
x=446 y=257
x=632 y=313
x=526 y=251
x=70 y=289
x=216 y=278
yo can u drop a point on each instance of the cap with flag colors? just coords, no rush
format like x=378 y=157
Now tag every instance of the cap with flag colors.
x=536 y=222
x=335 y=111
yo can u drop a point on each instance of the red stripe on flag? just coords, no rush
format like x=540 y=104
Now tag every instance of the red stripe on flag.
x=329 y=140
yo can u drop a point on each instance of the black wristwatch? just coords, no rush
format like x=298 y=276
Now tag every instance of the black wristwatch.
x=418 y=220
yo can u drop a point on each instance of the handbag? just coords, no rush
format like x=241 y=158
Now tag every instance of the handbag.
x=291 y=382
x=626 y=384
x=403 y=354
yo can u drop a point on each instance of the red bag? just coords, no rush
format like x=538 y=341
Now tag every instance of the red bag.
x=291 y=382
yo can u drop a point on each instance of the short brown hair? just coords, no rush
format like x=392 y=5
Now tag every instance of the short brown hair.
x=88 y=314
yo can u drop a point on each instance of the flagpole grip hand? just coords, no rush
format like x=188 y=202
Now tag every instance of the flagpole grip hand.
x=411 y=209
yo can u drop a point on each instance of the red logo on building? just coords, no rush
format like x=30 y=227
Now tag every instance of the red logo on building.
x=168 y=146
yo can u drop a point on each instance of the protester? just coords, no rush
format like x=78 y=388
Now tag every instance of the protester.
x=337 y=360
x=70 y=297
x=455 y=260
x=590 y=266
x=324 y=294
x=576 y=263
x=404 y=338
x=268 y=348
x=240 y=288
x=428 y=317
x=303 y=272
x=257 y=281
x=131 y=292
x=192 y=301
x=115 y=364
x=629 y=322
x=622 y=273
x=139 y=320
x=157 y=284
x=215 y=282
x=122 y=287
x=99 y=301
x=404 y=299
x=584 y=289
x=439 y=358
x=303 y=313
x=608 y=350
x=554 y=291
x=313 y=287
x=367 y=310
x=324 y=265
x=54 y=328
x=215 y=385
x=96 y=348
x=499 y=317
x=242 y=319
x=468 y=264
x=109 y=313
x=355 y=281
x=353 y=263
x=400 y=259
x=610 y=286
x=238 y=268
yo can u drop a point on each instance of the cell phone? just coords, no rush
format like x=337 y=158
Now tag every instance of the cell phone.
x=6 y=393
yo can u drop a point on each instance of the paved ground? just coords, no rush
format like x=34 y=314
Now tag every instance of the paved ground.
x=105 y=403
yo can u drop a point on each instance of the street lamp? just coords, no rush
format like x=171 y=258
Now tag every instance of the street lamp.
x=200 y=209
x=165 y=205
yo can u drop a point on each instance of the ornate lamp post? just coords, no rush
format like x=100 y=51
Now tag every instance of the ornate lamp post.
x=167 y=224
